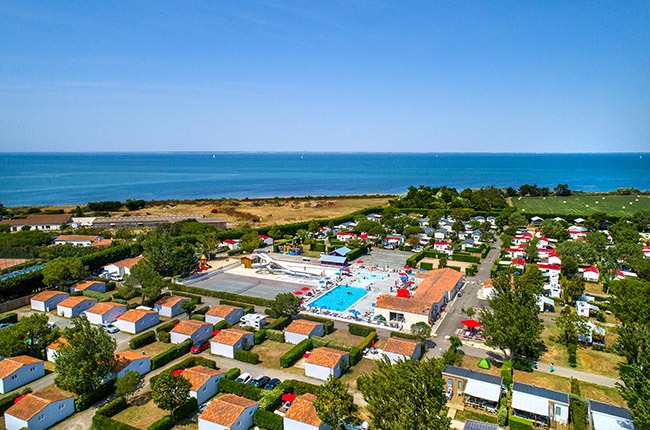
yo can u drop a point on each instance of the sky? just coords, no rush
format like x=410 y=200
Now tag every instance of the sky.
x=374 y=76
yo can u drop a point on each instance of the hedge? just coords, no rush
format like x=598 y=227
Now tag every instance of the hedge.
x=414 y=259
x=272 y=400
x=506 y=373
x=221 y=295
x=185 y=409
x=86 y=400
x=195 y=360
x=426 y=265
x=367 y=341
x=164 y=336
x=165 y=423
x=299 y=387
x=517 y=423
x=222 y=325
x=113 y=407
x=357 y=252
x=328 y=324
x=268 y=420
x=579 y=412
x=10 y=318
x=198 y=317
x=143 y=339
x=319 y=342
x=246 y=356
x=202 y=311
x=359 y=330
x=244 y=390
x=259 y=336
x=101 y=422
x=106 y=256
x=7 y=401
x=168 y=326
x=171 y=354
x=233 y=373
x=456 y=268
x=458 y=256
x=402 y=335
x=280 y=323
x=248 y=309
x=22 y=285
x=295 y=353
x=355 y=355
x=195 y=298
x=275 y=335
x=101 y=297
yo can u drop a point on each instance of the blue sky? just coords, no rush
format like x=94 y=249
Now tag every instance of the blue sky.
x=420 y=76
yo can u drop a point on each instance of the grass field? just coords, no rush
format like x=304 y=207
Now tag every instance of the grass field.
x=582 y=205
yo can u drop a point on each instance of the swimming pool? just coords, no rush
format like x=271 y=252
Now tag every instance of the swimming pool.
x=363 y=279
x=19 y=272
x=340 y=298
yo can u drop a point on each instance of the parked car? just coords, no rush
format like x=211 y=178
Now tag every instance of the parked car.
x=272 y=384
x=110 y=328
x=260 y=381
x=244 y=378
x=200 y=347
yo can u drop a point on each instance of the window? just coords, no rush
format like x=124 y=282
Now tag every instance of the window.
x=14 y=376
x=558 y=410
x=460 y=385
x=62 y=405
x=41 y=417
x=450 y=383
x=205 y=388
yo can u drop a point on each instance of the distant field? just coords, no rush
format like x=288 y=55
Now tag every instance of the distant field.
x=582 y=205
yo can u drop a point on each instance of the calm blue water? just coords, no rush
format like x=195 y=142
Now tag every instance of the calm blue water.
x=339 y=298
x=19 y=272
x=43 y=178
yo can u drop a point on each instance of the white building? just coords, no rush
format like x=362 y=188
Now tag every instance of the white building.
x=476 y=387
x=402 y=349
x=325 y=362
x=267 y=240
x=205 y=382
x=257 y=321
x=131 y=361
x=76 y=240
x=120 y=269
x=605 y=416
x=106 y=312
x=531 y=402
x=198 y=331
x=46 y=301
x=73 y=306
x=170 y=306
x=217 y=313
x=52 y=349
x=300 y=330
x=136 y=320
x=96 y=286
x=591 y=274
x=228 y=412
x=38 y=222
x=302 y=415
x=232 y=243
x=227 y=341
x=40 y=410
x=18 y=371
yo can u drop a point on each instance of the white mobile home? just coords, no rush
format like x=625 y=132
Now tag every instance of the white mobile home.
x=402 y=349
x=300 y=330
x=18 y=371
x=205 y=382
x=227 y=341
x=229 y=412
x=106 y=312
x=540 y=404
x=97 y=286
x=325 y=362
x=302 y=415
x=40 y=410
x=605 y=416
x=46 y=301
x=73 y=306
x=136 y=320
x=230 y=314
x=170 y=306
x=198 y=331
x=130 y=360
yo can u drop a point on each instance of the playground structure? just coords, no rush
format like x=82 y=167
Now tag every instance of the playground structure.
x=262 y=261
x=203 y=264
x=290 y=249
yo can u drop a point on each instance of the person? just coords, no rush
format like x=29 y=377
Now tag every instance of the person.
x=552 y=368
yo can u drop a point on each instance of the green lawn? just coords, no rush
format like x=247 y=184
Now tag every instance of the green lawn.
x=582 y=205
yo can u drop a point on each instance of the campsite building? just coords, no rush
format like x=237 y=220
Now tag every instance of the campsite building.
x=470 y=386
x=540 y=405
x=46 y=301
x=40 y=410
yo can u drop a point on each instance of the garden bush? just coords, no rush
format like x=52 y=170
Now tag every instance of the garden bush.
x=244 y=390
x=86 y=400
x=233 y=373
x=367 y=341
x=517 y=423
x=295 y=353
x=246 y=356
x=359 y=330
x=168 y=326
x=522 y=364
x=502 y=416
x=275 y=335
x=165 y=423
x=143 y=339
x=113 y=407
x=402 y=335
x=223 y=324
x=202 y=311
x=272 y=400
x=280 y=323
x=164 y=336
x=101 y=297
x=579 y=412
x=572 y=354
x=198 y=317
x=185 y=409
x=319 y=342
x=10 y=318
x=426 y=265
x=259 y=336
x=355 y=355
x=506 y=373
x=101 y=422
x=299 y=387
x=268 y=420
x=171 y=354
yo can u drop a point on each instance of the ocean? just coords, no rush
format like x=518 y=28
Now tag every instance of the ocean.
x=77 y=178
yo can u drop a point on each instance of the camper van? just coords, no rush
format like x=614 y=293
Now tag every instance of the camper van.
x=257 y=321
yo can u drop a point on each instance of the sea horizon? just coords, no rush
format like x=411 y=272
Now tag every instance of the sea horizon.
x=71 y=178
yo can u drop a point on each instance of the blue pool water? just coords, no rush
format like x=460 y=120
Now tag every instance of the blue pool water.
x=340 y=298
x=19 y=272
x=363 y=279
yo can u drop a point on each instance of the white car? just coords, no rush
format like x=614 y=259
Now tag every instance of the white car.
x=110 y=328
x=244 y=378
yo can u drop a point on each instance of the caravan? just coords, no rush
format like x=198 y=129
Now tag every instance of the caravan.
x=257 y=321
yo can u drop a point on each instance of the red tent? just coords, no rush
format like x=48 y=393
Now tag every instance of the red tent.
x=402 y=292
x=288 y=397
x=471 y=323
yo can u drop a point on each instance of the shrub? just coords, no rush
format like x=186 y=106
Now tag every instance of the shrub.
x=222 y=325
x=517 y=423
x=329 y=324
x=244 y=390
x=272 y=400
x=233 y=373
x=299 y=387
x=295 y=353
x=7 y=401
x=426 y=265
x=578 y=411
x=198 y=317
x=259 y=336
x=164 y=336
x=113 y=407
x=367 y=341
x=280 y=323
x=402 y=335
x=355 y=355
x=101 y=297
x=86 y=400
x=319 y=342
x=359 y=330
x=120 y=301
x=246 y=356
x=185 y=409
x=202 y=311
x=168 y=326
x=575 y=387
x=171 y=354
x=275 y=335
x=571 y=350
x=502 y=416
x=10 y=318
x=127 y=383
x=522 y=365
x=101 y=422
x=165 y=423
x=143 y=339
x=268 y=420
x=506 y=373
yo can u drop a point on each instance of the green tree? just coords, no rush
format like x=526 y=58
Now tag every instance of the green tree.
x=470 y=312
x=275 y=232
x=581 y=252
x=36 y=334
x=630 y=304
x=314 y=226
x=421 y=331
x=250 y=242
x=573 y=288
x=532 y=254
x=407 y=395
x=12 y=342
x=185 y=260
x=285 y=304
x=169 y=391
x=334 y=404
x=512 y=323
x=373 y=228
x=517 y=220
x=145 y=279
x=86 y=360
x=554 y=229
x=159 y=251
x=636 y=383
x=597 y=240
x=188 y=307
x=569 y=267
x=412 y=231
x=562 y=190
x=570 y=325
x=127 y=383
x=533 y=279
x=442 y=262
x=62 y=271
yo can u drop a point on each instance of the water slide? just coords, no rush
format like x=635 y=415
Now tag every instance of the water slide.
x=274 y=266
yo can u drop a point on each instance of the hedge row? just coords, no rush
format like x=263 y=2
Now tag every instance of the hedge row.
x=101 y=297
x=143 y=339
x=280 y=323
x=579 y=412
x=244 y=390
x=259 y=336
x=516 y=423
x=357 y=252
x=185 y=409
x=298 y=387
x=101 y=422
x=402 y=335
x=7 y=401
x=108 y=255
x=223 y=324
x=359 y=330
x=268 y=420
x=233 y=373
x=328 y=324
x=164 y=337
x=506 y=373
x=295 y=353
x=426 y=265
x=246 y=356
x=202 y=311
x=367 y=341
x=193 y=297
x=414 y=259
x=275 y=335
x=10 y=318
x=86 y=400
x=168 y=326
x=171 y=354
x=22 y=285
x=113 y=407
x=248 y=309
x=221 y=295
x=165 y=423
x=355 y=355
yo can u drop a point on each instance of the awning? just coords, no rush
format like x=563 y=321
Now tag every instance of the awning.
x=483 y=390
x=471 y=323
x=288 y=397
x=528 y=403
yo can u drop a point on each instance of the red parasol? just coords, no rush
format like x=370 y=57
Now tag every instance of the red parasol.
x=297 y=293
x=402 y=274
x=288 y=397
x=402 y=292
x=407 y=267
x=411 y=282
x=177 y=372
x=360 y=261
x=471 y=323
x=305 y=288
